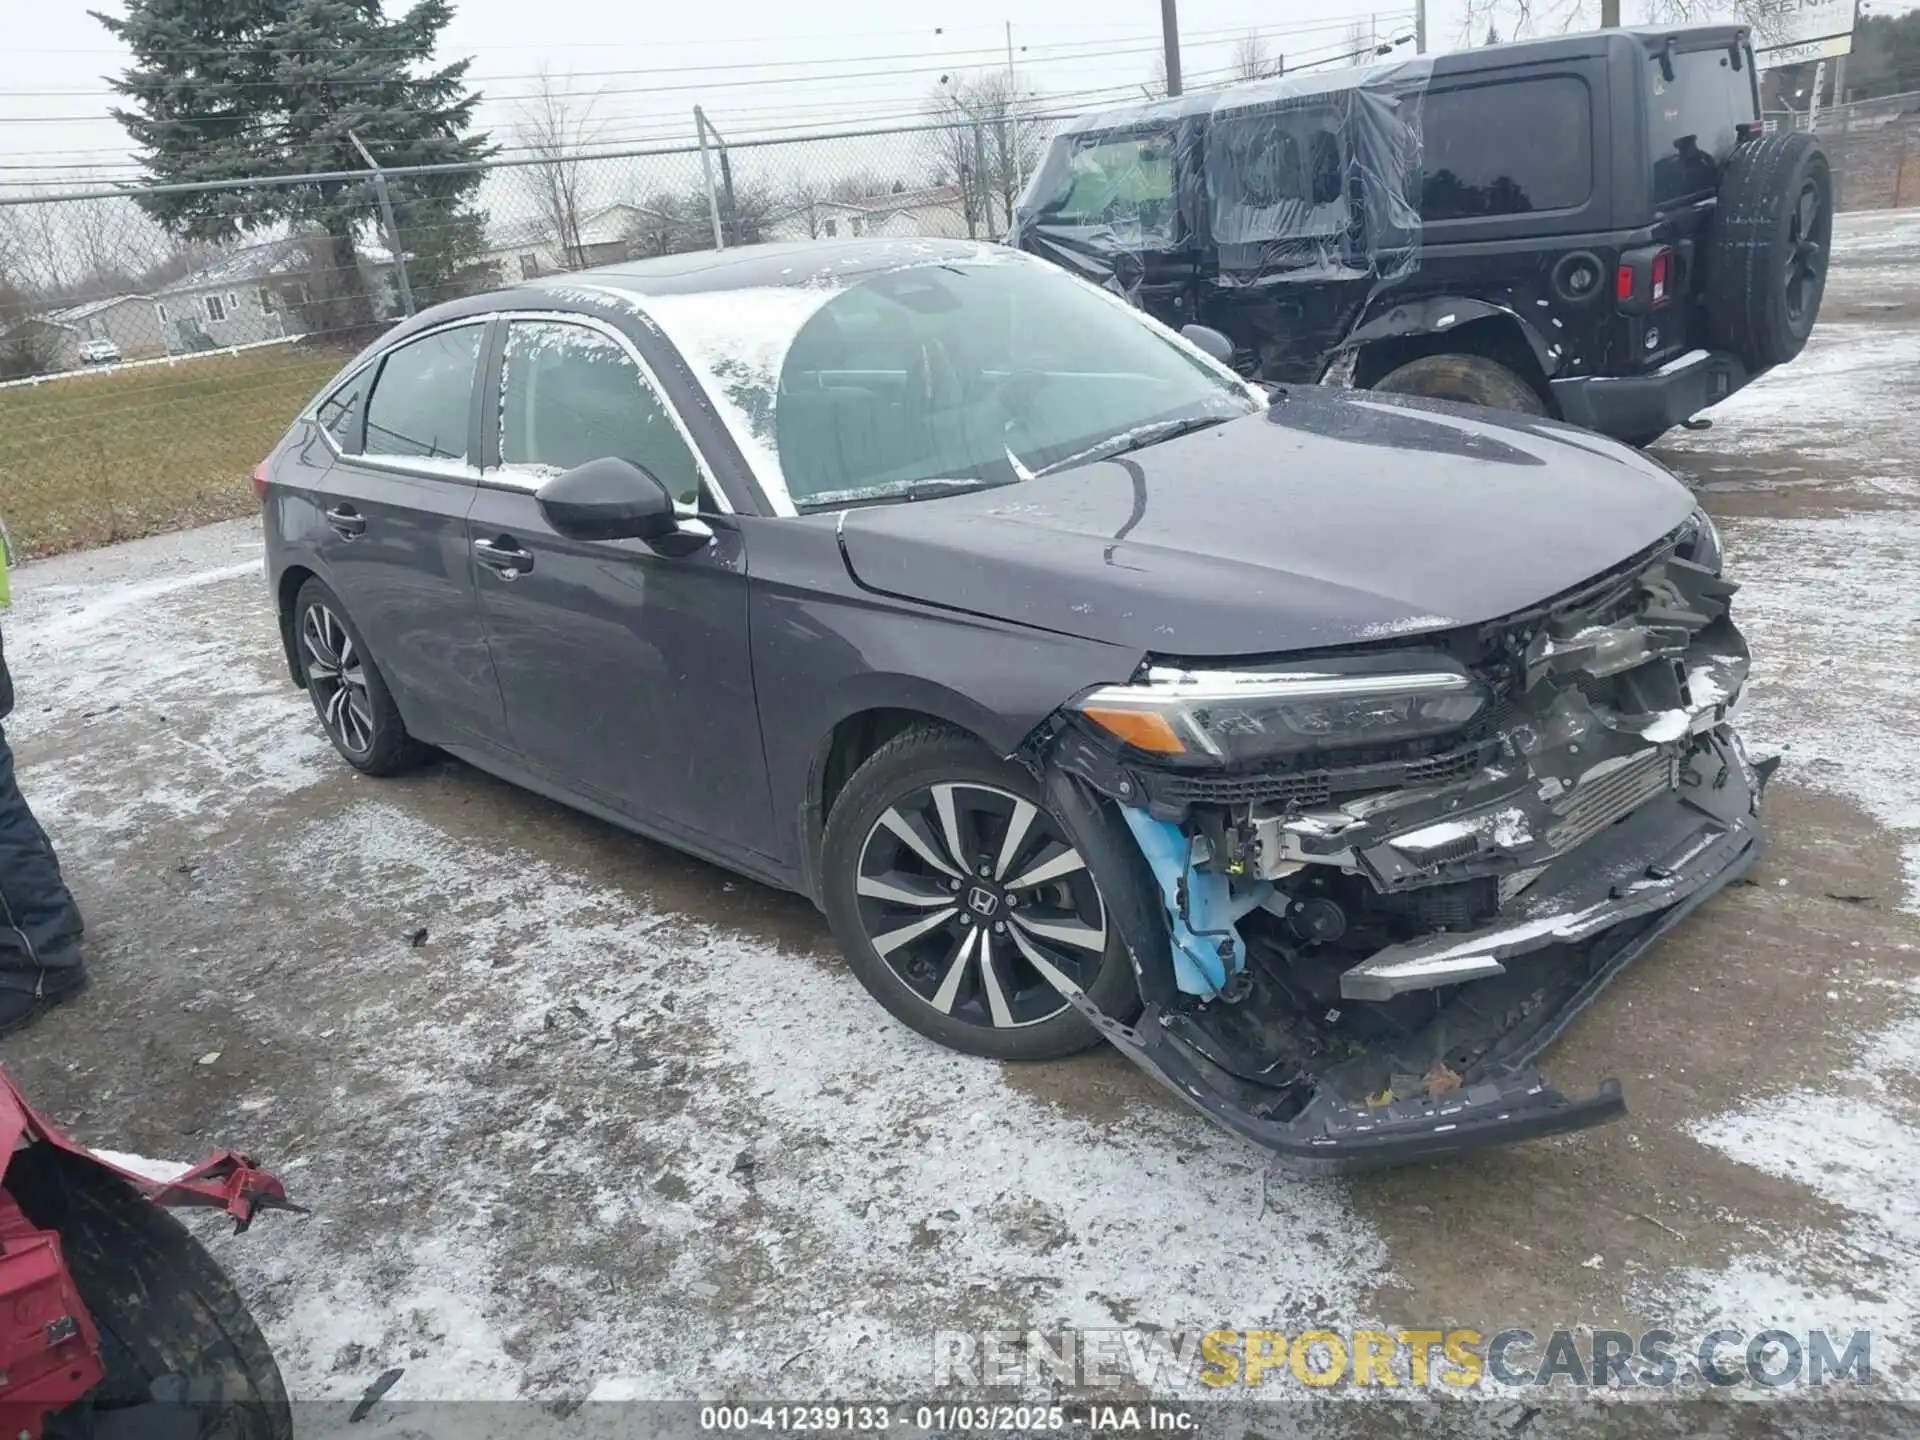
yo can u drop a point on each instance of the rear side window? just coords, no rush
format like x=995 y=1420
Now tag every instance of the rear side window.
x=1507 y=149
x=419 y=406
x=570 y=394
x=1276 y=175
x=339 y=413
x=1694 y=120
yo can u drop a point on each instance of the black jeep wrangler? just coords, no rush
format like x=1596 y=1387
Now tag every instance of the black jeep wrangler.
x=1592 y=226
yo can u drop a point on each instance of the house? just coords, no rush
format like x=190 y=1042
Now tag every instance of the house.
x=934 y=211
x=241 y=298
x=521 y=249
x=52 y=340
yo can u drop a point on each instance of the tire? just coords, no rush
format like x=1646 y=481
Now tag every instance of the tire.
x=1008 y=1008
x=359 y=716
x=1767 y=255
x=1469 y=379
x=162 y=1305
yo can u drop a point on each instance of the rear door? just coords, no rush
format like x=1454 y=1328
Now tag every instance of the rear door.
x=392 y=528
x=626 y=672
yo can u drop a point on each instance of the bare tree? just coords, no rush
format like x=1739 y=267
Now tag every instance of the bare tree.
x=1357 y=49
x=555 y=125
x=959 y=154
x=989 y=143
x=1525 y=19
x=1156 y=86
x=1250 y=60
x=803 y=201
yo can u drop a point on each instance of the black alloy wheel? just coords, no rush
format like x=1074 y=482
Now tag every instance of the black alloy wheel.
x=337 y=677
x=977 y=902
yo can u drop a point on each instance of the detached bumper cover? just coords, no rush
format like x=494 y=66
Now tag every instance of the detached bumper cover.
x=1587 y=917
x=1635 y=406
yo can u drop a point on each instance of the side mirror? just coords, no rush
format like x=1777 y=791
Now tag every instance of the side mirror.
x=1206 y=338
x=608 y=499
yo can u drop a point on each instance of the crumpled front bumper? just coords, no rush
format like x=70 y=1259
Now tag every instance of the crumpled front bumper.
x=1593 y=911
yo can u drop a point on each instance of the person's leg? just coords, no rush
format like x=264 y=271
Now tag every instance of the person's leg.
x=39 y=923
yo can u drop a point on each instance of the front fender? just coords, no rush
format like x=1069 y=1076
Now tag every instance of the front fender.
x=1438 y=314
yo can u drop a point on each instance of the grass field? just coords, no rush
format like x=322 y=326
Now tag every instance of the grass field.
x=90 y=459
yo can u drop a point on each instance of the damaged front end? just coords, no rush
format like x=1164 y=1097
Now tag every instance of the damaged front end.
x=1388 y=877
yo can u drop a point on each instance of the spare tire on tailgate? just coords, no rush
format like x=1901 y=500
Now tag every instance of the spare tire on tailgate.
x=1767 y=255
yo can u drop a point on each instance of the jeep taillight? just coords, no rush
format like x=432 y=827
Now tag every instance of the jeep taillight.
x=1646 y=279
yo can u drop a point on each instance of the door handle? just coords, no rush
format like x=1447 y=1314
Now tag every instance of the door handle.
x=503 y=556
x=347 y=521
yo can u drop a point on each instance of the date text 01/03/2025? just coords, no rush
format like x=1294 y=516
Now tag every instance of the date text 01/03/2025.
x=943 y=1419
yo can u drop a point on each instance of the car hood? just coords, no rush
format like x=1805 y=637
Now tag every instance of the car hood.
x=1329 y=519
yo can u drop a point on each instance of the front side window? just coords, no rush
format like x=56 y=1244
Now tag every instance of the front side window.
x=422 y=395
x=1124 y=183
x=1695 y=120
x=570 y=394
x=1507 y=149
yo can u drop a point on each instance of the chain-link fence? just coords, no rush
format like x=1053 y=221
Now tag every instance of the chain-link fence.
x=143 y=374
x=1873 y=146
x=154 y=343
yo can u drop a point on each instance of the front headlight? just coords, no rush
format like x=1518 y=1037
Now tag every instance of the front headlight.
x=1238 y=716
x=1702 y=545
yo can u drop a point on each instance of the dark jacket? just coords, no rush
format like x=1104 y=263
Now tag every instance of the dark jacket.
x=6 y=685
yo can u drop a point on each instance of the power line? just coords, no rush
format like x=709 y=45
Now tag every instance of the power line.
x=702 y=86
x=762 y=123
x=990 y=53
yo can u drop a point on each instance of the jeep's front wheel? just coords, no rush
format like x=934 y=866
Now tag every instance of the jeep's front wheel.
x=1469 y=379
x=963 y=905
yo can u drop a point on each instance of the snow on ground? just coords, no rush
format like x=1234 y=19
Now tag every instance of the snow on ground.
x=1832 y=404
x=1831 y=606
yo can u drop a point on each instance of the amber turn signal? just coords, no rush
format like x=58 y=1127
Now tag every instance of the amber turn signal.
x=1143 y=729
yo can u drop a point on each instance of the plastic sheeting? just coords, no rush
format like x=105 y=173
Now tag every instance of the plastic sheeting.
x=1311 y=177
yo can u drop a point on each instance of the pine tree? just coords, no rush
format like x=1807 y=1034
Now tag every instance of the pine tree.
x=238 y=89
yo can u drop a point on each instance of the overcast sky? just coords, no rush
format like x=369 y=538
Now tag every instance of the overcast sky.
x=755 y=65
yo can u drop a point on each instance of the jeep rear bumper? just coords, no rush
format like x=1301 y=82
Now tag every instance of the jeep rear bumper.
x=1638 y=407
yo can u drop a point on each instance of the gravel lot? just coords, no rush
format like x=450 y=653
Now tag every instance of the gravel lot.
x=523 y=1139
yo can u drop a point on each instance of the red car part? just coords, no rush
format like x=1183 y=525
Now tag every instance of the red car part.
x=49 y=1346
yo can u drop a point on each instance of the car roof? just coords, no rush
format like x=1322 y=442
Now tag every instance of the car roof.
x=796 y=262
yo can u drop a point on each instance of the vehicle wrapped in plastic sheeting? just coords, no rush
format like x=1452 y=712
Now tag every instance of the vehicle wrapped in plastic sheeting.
x=1215 y=207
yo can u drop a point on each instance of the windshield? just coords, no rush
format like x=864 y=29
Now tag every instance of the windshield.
x=921 y=381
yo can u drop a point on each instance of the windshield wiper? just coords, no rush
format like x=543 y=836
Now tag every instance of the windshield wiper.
x=898 y=490
x=1138 y=438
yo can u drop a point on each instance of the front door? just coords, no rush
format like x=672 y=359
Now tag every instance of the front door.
x=626 y=673
x=392 y=531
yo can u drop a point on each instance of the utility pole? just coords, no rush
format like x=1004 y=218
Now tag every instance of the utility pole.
x=1609 y=14
x=1419 y=27
x=1170 y=38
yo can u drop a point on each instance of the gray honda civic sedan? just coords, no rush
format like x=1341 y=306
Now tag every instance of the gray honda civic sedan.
x=1324 y=751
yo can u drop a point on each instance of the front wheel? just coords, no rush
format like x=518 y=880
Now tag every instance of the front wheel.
x=173 y=1329
x=963 y=906
x=1469 y=379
